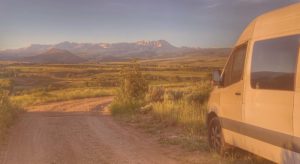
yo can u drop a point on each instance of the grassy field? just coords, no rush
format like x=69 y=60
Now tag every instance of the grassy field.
x=26 y=84
x=174 y=106
x=175 y=112
x=36 y=83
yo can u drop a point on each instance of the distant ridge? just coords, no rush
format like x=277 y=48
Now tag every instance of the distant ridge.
x=55 y=56
x=102 y=51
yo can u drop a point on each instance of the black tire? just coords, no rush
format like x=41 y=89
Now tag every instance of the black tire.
x=215 y=136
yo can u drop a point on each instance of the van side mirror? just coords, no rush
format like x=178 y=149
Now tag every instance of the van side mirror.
x=216 y=77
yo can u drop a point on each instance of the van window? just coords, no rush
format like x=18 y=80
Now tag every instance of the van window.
x=274 y=63
x=238 y=64
x=226 y=75
x=235 y=67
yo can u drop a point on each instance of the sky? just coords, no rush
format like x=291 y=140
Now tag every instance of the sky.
x=192 y=23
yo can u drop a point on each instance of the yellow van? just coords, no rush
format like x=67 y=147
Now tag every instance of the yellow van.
x=255 y=104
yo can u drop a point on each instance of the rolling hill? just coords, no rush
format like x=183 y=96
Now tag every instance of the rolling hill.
x=55 y=56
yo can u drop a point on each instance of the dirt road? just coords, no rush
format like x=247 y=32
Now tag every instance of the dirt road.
x=78 y=132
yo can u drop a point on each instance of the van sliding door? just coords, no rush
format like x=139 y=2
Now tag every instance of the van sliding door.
x=297 y=112
x=270 y=98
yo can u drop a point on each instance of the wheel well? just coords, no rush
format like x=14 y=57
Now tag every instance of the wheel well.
x=210 y=116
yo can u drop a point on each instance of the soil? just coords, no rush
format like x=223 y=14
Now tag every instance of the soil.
x=83 y=132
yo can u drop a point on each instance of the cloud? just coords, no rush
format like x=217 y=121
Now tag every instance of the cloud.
x=218 y=3
x=213 y=3
x=254 y=1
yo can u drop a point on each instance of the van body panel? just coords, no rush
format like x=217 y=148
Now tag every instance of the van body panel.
x=297 y=102
x=232 y=103
x=271 y=115
x=281 y=22
x=247 y=33
x=233 y=138
x=231 y=109
x=285 y=21
x=298 y=73
x=297 y=111
x=214 y=101
x=269 y=151
x=271 y=110
x=297 y=122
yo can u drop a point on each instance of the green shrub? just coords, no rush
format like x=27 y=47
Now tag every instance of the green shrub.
x=184 y=107
x=124 y=107
x=132 y=91
x=6 y=84
x=156 y=94
x=133 y=85
x=173 y=95
x=198 y=93
x=7 y=115
x=8 y=112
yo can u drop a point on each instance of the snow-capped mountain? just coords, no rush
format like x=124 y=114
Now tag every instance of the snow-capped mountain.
x=95 y=50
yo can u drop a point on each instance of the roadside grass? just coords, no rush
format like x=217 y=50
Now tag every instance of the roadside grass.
x=123 y=109
x=187 y=137
x=45 y=96
x=177 y=116
x=183 y=109
x=8 y=111
x=185 y=106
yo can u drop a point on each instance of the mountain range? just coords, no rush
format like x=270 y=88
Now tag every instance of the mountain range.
x=55 y=56
x=71 y=52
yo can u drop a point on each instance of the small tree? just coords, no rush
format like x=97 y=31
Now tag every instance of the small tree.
x=133 y=85
x=132 y=90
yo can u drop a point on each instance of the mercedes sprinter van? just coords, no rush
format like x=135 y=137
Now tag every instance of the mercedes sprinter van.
x=255 y=103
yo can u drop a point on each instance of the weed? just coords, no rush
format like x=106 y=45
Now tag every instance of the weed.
x=8 y=112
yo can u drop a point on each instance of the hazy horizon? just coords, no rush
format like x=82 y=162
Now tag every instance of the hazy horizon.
x=191 y=23
x=47 y=44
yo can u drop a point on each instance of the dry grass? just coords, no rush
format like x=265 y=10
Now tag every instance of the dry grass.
x=7 y=116
x=191 y=116
x=40 y=97
x=177 y=116
x=175 y=110
x=185 y=107
x=8 y=113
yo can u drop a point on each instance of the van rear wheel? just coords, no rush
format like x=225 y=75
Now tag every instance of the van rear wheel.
x=215 y=136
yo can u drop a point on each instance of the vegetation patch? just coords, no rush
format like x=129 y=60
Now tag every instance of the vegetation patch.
x=8 y=111
x=176 y=116
x=132 y=91
x=44 y=96
x=185 y=107
x=158 y=108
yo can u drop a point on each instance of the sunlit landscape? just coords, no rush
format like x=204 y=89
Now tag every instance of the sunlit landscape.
x=139 y=81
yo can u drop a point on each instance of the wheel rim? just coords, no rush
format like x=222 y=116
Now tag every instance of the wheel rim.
x=215 y=136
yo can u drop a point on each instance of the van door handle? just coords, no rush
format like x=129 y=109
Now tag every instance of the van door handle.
x=238 y=93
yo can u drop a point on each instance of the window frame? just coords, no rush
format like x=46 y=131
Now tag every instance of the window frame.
x=231 y=57
x=296 y=66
